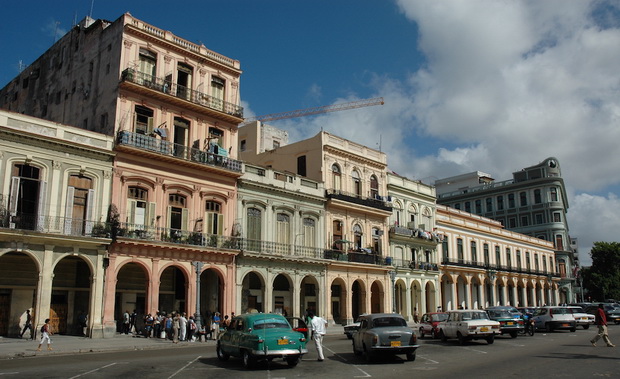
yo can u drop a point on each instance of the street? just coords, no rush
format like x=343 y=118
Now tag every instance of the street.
x=556 y=354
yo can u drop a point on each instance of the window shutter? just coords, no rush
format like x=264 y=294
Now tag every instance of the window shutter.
x=150 y=216
x=14 y=195
x=184 y=218
x=90 y=200
x=69 y=209
x=220 y=224
x=131 y=211
x=208 y=223
x=42 y=206
x=150 y=126
x=169 y=216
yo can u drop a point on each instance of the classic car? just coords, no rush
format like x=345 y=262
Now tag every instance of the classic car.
x=611 y=312
x=582 y=318
x=554 y=317
x=353 y=327
x=429 y=322
x=261 y=336
x=466 y=325
x=383 y=334
x=509 y=318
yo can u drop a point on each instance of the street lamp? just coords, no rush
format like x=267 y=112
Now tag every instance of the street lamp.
x=198 y=266
x=393 y=278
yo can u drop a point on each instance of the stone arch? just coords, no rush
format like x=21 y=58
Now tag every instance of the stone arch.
x=377 y=297
x=400 y=293
x=132 y=287
x=282 y=290
x=429 y=292
x=71 y=294
x=338 y=299
x=173 y=288
x=212 y=289
x=310 y=296
x=358 y=298
x=19 y=280
x=253 y=292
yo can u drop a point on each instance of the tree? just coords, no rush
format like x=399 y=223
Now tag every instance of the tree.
x=602 y=278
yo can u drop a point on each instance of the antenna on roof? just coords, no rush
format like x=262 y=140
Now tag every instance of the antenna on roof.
x=92 y=4
x=21 y=66
x=56 y=30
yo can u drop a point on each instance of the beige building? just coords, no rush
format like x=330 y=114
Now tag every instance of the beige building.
x=356 y=212
x=413 y=247
x=55 y=191
x=173 y=108
x=483 y=264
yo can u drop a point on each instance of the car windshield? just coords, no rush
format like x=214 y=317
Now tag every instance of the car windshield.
x=439 y=317
x=271 y=323
x=502 y=313
x=561 y=311
x=381 y=322
x=475 y=316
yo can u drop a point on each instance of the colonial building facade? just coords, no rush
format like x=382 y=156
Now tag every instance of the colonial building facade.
x=56 y=182
x=534 y=202
x=483 y=264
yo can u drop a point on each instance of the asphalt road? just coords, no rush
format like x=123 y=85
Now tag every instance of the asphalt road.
x=557 y=354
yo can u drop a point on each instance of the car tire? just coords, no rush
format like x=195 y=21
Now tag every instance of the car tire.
x=490 y=340
x=435 y=333
x=461 y=338
x=248 y=360
x=586 y=327
x=411 y=356
x=513 y=334
x=349 y=336
x=292 y=362
x=573 y=329
x=443 y=336
x=421 y=333
x=220 y=354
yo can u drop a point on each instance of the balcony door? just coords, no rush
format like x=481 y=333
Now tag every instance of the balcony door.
x=184 y=80
x=26 y=201
x=79 y=208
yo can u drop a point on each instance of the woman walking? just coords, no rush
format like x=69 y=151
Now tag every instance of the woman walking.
x=45 y=335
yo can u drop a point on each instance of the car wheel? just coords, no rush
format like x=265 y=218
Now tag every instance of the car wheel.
x=421 y=333
x=248 y=360
x=461 y=338
x=585 y=327
x=411 y=356
x=367 y=355
x=292 y=362
x=573 y=329
x=443 y=336
x=549 y=327
x=490 y=340
x=435 y=333
x=513 y=334
x=220 y=354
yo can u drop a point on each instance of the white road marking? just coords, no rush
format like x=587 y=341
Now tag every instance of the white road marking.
x=366 y=375
x=184 y=367
x=9 y=373
x=428 y=359
x=478 y=351
x=91 y=371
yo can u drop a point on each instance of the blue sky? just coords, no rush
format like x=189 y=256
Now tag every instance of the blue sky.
x=484 y=85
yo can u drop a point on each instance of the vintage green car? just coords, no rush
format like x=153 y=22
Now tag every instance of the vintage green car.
x=261 y=336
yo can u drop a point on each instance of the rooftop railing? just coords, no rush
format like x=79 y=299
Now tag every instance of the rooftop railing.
x=358 y=199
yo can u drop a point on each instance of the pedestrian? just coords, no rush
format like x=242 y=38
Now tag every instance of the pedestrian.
x=226 y=322
x=182 y=327
x=28 y=325
x=601 y=321
x=191 y=328
x=216 y=325
x=83 y=321
x=148 y=325
x=175 y=328
x=132 y=322
x=45 y=335
x=416 y=315
x=126 y=323
x=318 y=325
x=157 y=324
x=169 y=326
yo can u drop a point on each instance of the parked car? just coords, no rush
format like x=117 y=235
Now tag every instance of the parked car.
x=552 y=318
x=261 y=336
x=299 y=325
x=429 y=322
x=353 y=327
x=382 y=334
x=509 y=318
x=581 y=318
x=611 y=312
x=466 y=325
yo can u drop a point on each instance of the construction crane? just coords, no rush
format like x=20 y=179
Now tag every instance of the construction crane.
x=317 y=110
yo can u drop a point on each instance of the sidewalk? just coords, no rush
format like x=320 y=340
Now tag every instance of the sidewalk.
x=18 y=348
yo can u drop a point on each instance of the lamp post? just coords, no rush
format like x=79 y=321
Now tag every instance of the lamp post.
x=393 y=278
x=198 y=266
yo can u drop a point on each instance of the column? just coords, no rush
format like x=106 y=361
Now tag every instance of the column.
x=515 y=295
x=95 y=309
x=44 y=288
x=408 y=306
x=454 y=295
x=423 y=306
x=109 y=324
x=153 y=289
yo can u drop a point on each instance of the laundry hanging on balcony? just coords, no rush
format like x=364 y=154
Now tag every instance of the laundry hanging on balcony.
x=162 y=132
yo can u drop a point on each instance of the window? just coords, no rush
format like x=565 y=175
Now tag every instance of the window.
x=485 y=247
x=357 y=183
x=508 y=258
x=489 y=201
x=309 y=232
x=459 y=249
x=177 y=214
x=78 y=212
x=336 y=177
x=554 y=194
x=539 y=218
x=562 y=269
x=147 y=64
x=557 y=217
x=214 y=219
x=275 y=144
x=523 y=198
x=143 y=120
x=140 y=213
x=537 y=196
x=444 y=249
x=468 y=207
x=498 y=258
x=217 y=92
x=544 y=264
x=242 y=145
x=527 y=260
x=254 y=219
x=457 y=206
x=500 y=203
x=474 y=253
x=518 y=260
x=511 y=200
x=376 y=235
x=301 y=165
x=283 y=228
x=181 y=131
x=103 y=122
x=184 y=80
x=478 y=206
x=559 y=244
x=27 y=197
x=357 y=236
x=374 y=187
x=525 y=220
x=337 y=233
x=536 y=264
x=512 y=222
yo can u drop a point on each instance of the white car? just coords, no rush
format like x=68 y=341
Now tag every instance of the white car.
x=466 y=325
x=552 y=318
x=581 y=317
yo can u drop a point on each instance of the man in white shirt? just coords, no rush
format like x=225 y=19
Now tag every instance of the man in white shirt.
x=318 y=325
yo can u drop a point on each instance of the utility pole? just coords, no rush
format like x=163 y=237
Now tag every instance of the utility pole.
x=198 y=266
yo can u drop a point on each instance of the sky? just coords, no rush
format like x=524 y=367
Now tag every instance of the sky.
x=476 y=85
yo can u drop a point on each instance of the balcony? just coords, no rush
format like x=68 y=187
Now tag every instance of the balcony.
x=489 y=266
x=54 y=225
x=409 y=264
x=355 y=257
x=181 y=95
x=416 y=233
x=356 y=199
x=169 y=149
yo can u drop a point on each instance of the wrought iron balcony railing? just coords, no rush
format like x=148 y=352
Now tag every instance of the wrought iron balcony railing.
x=496 y=267
x=55 y=225
x=168 y=148
x=173 y=89
x=357 y=199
